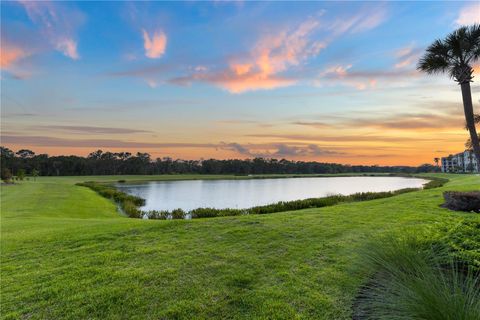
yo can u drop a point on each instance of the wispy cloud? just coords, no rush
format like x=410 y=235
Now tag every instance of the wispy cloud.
x=340 y=75
x=407 y=56
x=46 y=141
x=271 y=60
x=345 y=75
x=91 y=129
x=469 y=14
x=336 y=138
x=433 y=116
x=58 y=24
x=313 y=124
x=276 y=53
x=414 y=122
x=366 y=19
x=260 y=69
x=154 y=44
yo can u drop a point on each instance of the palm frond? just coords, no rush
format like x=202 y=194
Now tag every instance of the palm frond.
x=473 y=39
x=433 y=64
x=454 y=54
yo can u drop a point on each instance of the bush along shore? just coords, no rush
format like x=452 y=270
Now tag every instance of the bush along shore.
x=129 y=204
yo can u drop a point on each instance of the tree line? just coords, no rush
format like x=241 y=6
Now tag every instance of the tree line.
x=120 y=163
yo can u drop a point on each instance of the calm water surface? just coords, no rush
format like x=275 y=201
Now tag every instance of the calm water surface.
x=187 y=195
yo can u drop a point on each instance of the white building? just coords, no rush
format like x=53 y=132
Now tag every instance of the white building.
x=460 y=162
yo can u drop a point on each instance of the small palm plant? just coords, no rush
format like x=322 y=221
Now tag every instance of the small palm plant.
x=456 y=55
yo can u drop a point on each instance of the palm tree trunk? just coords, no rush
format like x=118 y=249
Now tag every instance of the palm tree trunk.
x=468 y=108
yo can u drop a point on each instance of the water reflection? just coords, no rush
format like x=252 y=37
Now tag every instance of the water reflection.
x=187 y=195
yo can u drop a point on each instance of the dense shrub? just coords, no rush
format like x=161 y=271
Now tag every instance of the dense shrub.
x=462 y=201
x=462 y=241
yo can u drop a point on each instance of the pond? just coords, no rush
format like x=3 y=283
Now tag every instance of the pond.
x=246 y=193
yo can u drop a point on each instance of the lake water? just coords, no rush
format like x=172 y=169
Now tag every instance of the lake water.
x=192 y=194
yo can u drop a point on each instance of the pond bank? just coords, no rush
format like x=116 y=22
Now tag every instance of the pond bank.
x=131 y=204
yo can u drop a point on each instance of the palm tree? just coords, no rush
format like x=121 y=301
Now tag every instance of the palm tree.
x=455 y=55
x=436 y=161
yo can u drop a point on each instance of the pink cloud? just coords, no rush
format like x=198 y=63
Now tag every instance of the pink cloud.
x=261 y=68
x=10 y=54
x=273 y=55
x=469 y=14
x=58 y=24
x=407 y=56
x=155 y=45
x=239 y=84
x=276 y=53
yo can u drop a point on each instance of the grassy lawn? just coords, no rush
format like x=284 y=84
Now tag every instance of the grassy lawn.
x=66 y=253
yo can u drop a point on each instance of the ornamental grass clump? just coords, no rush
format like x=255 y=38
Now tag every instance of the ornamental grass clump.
x=415 y=277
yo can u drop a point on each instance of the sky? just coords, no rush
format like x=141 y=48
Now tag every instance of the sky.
x=322 y=81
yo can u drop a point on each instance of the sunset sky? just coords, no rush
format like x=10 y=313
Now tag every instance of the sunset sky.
x=324 y=81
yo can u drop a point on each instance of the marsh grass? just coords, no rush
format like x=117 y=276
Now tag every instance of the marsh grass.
x=415 y=277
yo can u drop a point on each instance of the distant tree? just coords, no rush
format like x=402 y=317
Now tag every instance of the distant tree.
x=35 y=174
x=6 y=175
x=426 y=168
x=436 y=161
x=124 y=155
x=25 y=153
x=456 y=55
x=5 y=152
x=96 y=155
x=21 y=174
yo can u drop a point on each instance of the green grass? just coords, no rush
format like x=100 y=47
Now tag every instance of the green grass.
x=66 y=253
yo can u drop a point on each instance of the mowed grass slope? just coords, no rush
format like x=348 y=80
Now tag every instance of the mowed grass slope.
x=66 y=253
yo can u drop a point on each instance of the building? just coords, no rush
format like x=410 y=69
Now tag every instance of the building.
x=460 y=163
